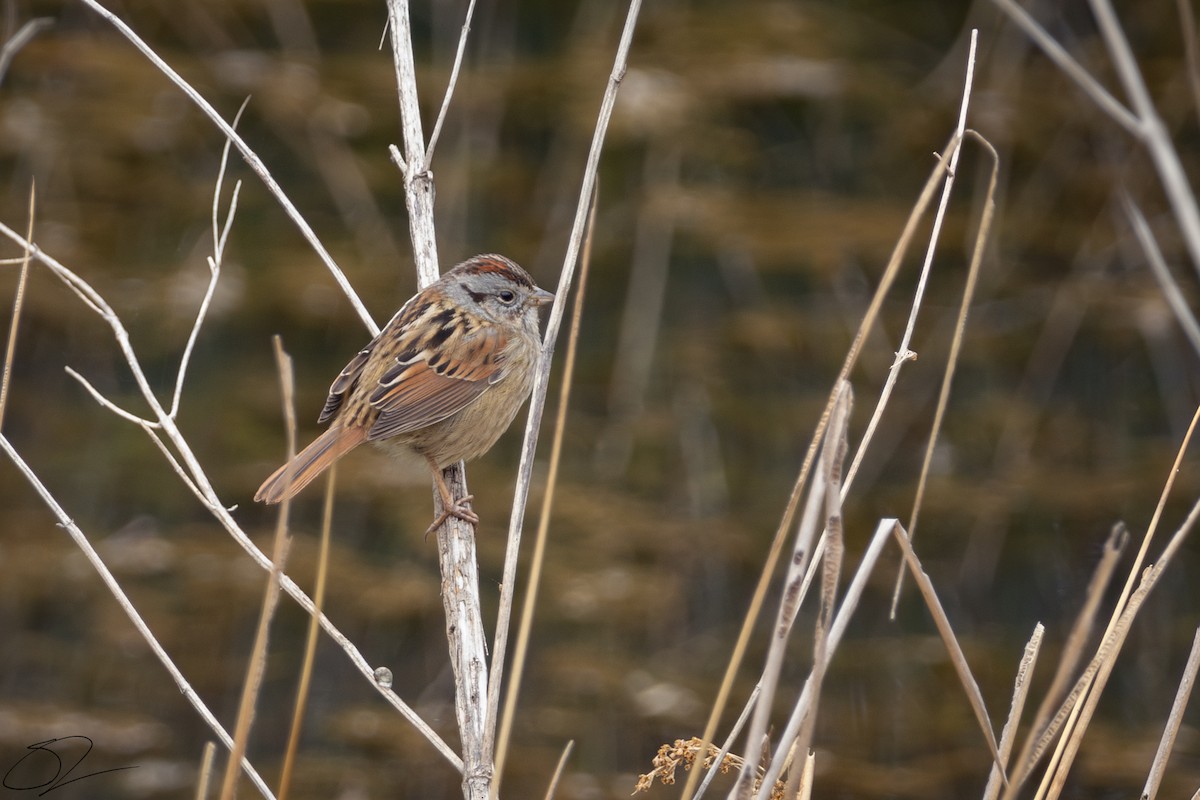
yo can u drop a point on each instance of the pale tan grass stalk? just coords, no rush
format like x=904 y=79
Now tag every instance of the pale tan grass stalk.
x=1068 y=662
x=793 y=502
x=258 y=656
x=14 y=325
x=314 y=631
x=796 y=581
x=1016 y=707
x=206 y=769
x=1171 y=729
x=529 y=604
x=806 y=777
x=957 y=658
x=558 y=770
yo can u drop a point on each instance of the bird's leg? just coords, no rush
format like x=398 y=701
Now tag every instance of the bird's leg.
x=451 y=508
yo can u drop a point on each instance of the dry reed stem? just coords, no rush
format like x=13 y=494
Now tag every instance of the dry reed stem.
x=1068 y=662
x=968 y=295
x=310 y=641
x=796 y=582
x=558 y=770
x=789 y=512
x=14 y=325
x=1174 y=720
x=1021 y=686
x=953 y=648
x=1187 y=27
x=833 y=462
x=22 y=37
x=806 y=777
x=257 y=664
x=1106 y=658
x=883 y=531
x=206 y=768
x=541 y=377
x=525 y=624
x=903 y=353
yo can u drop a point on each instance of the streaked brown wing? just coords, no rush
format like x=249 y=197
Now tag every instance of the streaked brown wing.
x=344 y=382
x=429 y=385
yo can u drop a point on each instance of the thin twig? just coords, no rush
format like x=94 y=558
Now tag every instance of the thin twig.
x=114 y=587
x=220 y=236
x=541 y=378
x=458 y=59
x=206 y=768
x=883 y=532
x=248 y=155
x=1162 y=273
x=1073 y=69
x=14 y=325
x=1182 y=695
x=903 y=353
x=525 y=625
x=558 y=771
x=1072 y=653
x=203 y=489
x=19 y=39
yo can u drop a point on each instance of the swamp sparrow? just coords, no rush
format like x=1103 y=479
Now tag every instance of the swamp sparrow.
x=443 y=379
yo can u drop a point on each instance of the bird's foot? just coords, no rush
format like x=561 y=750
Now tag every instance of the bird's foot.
x=460 y=509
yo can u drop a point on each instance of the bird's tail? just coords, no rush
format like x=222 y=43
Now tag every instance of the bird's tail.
x=310 y=462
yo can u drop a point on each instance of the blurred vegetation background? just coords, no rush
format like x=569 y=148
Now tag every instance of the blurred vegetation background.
x=763 y=158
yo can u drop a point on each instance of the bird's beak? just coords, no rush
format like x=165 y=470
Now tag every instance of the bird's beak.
x=541 y=297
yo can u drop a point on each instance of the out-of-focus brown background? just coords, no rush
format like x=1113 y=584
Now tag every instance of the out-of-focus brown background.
x=761 y=163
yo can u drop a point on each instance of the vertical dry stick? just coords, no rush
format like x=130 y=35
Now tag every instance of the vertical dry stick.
x=258 y=656
x=456 y=538
x=538 y=400
x=1015 y=709
x=1154 y=779
x=539 y=547
x=903 y=354
x=14 y=325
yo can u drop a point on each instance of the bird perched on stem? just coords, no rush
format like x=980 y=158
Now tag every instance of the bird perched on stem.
x=443 y=379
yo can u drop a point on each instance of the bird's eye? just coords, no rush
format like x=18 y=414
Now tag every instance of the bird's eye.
x=506 y=296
